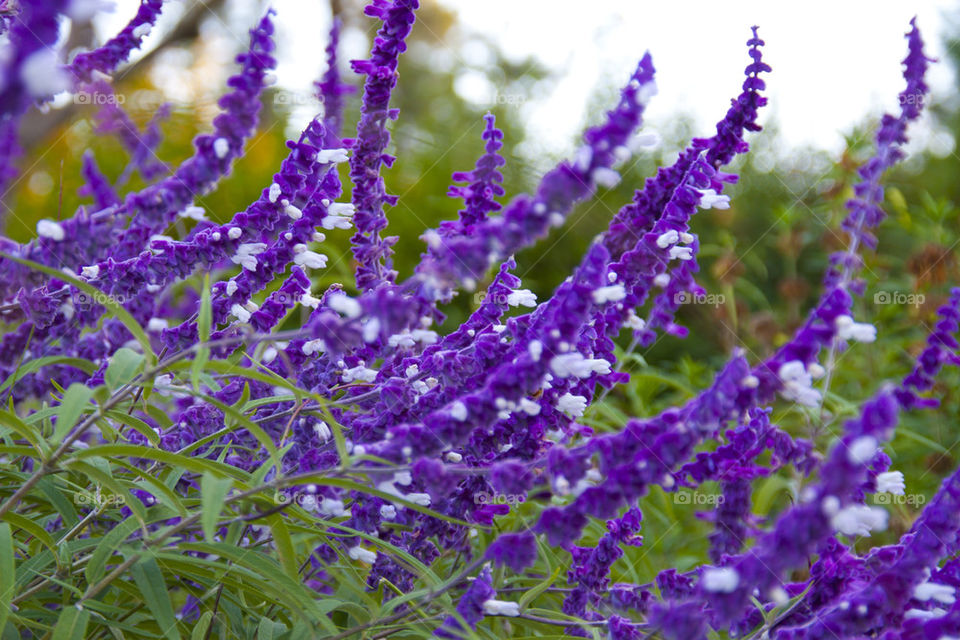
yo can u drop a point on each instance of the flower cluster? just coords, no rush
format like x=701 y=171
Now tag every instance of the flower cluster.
x=454 y=430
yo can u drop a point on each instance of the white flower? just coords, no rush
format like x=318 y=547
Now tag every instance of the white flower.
x=141 y=31
x=332 y=155
x=388 y=512
x=847 y=329
x=522 y=298
x=572 y=405
x=643 y=141
x=308 y=300
x=240 y=313
x=292 y=212
x=231 y=287
x=859 y=520
x=920 y=614
x=529 y=407
x=310 y=259
x=313 y=346
x=862 y=450
x=157 y=324
x=634 y=321
x=91 y=272
x=42 y=74
x=750 y=382
x=194 y=213
x=322 y=431
x=668 y=238
x=501 y=608
x=535 y=348
x=943 y=593
x=246 y=255
x=710 y=200
x=605 y=177
x=610 y=293
x=661 y=280
x=798 y=384
x=458 y=411
x=361 y=554
x=361 y=373
x=720 y=580
x=234 y=232
x=681 y=253
x=221 y=147
x=453 y=456
x=574 y=364
x=344 y=305
x=274 y=192
x=891 y=482
x=50 y=229
x=330 y=507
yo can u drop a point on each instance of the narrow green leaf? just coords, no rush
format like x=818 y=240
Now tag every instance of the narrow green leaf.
x=200 y=629
x=72 y=624
x=35 y=365
x=213 y=490
x=124 y=365
x=8 y=574
x=75 y=402
x=153 y=590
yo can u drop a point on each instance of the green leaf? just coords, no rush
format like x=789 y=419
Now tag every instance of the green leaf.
x=153 y=590
x=213 y=491
x=75 y=402
x=31 y=527
x=204 y=320
x=200 y=629
x=532 y=594
x=8 y=574
x=72 y=624
x=124 y=366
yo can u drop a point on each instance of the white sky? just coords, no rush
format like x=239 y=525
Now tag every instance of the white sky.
x=833 y=62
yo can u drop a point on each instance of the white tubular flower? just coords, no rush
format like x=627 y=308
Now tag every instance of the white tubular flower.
x=361 y=554
x=605 y=177
x=360 y=373
x=709 y=199
x=313 y=346
x=325 y=156
x=522 y=298
x=91 y=272
x=308 y=300
x=668 y=238
x=194 y=213
x=681 y=253
x=458 y=411
x=574 y=364
x=501 y=608
x=240 y=313
x=891 y=482
x=862 y=450
x=310 y=259
x=610 y=293
x=344 y=305
x=847 y=329
x=943 y=593
x=50 y=229
x=859 y=520
x=221 y=147
x=274 y=193
x=720 y=580
x=573 y=406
